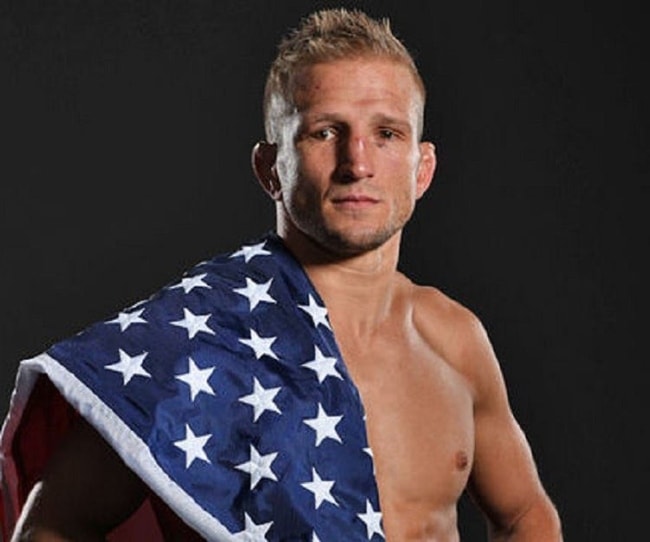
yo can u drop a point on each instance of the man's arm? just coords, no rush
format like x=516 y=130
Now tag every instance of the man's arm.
x=86 y=492
x=504 y=480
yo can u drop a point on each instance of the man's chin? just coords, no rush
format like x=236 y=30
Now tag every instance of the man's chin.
x=354 y=243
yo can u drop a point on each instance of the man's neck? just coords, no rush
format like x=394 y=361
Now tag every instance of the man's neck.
x=358 y=289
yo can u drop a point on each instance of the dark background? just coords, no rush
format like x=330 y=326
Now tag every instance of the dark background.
x=125 y=132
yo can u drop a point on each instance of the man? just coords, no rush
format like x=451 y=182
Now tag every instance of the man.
x=315 y=447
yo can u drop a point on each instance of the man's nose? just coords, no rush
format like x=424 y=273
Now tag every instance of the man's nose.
x=354 y=158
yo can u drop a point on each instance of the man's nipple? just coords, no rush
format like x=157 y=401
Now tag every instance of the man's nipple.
x=461 y=460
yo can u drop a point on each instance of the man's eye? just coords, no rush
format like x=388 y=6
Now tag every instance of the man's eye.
x=324 y=134
x=385 y=133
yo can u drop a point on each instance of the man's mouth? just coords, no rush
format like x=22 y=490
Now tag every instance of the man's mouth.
x=354 y=200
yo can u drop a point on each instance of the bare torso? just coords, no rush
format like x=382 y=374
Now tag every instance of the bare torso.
x=419 y=417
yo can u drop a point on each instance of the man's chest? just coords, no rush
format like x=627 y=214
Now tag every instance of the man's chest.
x=419 y=415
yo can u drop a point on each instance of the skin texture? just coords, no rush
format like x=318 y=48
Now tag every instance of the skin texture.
x=345 y=175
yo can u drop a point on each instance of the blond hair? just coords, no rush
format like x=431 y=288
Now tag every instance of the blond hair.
x=324 y=36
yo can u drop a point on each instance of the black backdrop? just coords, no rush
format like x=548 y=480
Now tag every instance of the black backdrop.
x=125 y=135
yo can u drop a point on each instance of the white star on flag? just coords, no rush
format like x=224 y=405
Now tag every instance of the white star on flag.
x=324 y=425
x=372 y=520
x=261 y=399
x=258 y=466
x=256 y=292
x=125 y=319
x=193 y=445
x=318 y=314
x=189 y=283
x=129 y=366
x=322 y=366
x=261 y=345
x=250 y=251
x=197 y=379
x=314 y=538
x=194 y=323
x=368 y=450
x=322 y=489
x=253 y=532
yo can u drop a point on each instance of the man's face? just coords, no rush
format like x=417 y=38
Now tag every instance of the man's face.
x=349 y=161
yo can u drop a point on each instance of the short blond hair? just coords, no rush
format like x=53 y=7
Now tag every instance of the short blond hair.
x=328 y=35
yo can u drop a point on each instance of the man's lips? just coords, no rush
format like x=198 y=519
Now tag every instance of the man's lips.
x=354 y=200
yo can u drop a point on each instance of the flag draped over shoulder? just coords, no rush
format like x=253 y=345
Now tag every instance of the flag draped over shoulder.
x=226 y=393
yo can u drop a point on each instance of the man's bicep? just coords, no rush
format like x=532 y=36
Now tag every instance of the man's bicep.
x=85 y=492
x=504 y=480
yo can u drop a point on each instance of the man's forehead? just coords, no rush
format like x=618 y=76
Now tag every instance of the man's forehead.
x=353 y=81
x=304 y=75
x=288 y=102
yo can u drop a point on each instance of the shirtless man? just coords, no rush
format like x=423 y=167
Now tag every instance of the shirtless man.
x=344 y=163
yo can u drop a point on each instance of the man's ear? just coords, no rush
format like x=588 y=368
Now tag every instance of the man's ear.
x=263 y=161
x=426 y=168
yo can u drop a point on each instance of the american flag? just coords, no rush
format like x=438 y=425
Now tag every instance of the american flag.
x=226 y=393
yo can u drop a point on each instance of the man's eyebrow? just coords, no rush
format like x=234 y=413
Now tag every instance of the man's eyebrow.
x=377 y=118
x=389 y=120
x=323 y=117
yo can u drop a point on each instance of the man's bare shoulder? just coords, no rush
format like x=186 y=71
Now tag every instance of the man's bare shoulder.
x=438 y=315
x=453 y=331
